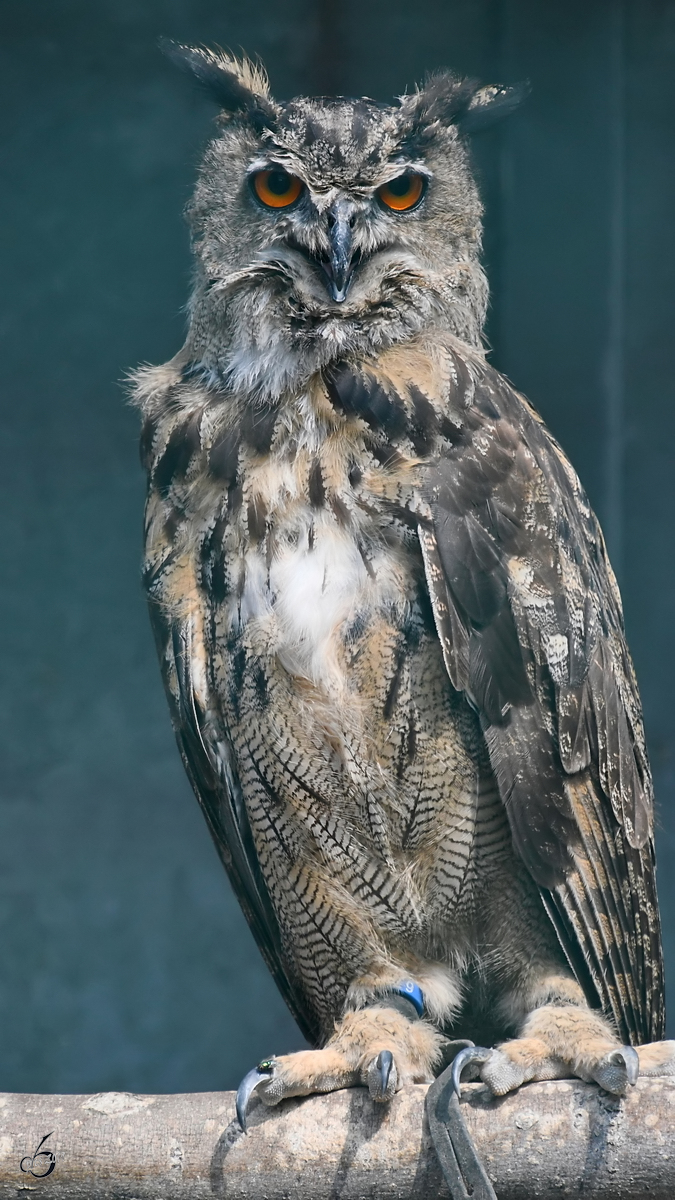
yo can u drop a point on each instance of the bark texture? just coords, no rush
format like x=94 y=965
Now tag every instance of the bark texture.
x=548 y=1140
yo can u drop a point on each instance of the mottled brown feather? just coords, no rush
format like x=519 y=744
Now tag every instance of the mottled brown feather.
x=581 y=734
x=209 y=761
x=530 y=624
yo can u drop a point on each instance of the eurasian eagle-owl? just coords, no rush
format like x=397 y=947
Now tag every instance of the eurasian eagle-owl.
x=391 y=639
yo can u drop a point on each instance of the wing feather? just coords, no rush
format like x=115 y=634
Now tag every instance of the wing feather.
x=522 y=577
x=530 y=624
x=209 y=761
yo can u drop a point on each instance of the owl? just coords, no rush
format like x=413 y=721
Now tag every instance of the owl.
x=391 y=639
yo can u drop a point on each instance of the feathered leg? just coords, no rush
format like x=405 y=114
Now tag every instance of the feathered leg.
x=564 y=1038
x=382 y=1044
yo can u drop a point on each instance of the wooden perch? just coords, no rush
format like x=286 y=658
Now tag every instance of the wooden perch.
x=548 y=1140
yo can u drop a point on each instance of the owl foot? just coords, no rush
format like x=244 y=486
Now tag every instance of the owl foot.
x=377 y=1048
x=615 y=1071
x=563 y=1042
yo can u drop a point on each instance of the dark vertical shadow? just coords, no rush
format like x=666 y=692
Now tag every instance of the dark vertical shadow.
x=495 y=163
x=362 y=1124
x=606 y=1112
x=327 y=68
x=613 y=366
x=228 y=1138
x=218 y=1179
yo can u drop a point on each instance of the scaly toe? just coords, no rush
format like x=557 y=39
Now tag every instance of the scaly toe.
x=501 y=1074
x=248 y=1085
x=382 y=1076
x=617 y=1070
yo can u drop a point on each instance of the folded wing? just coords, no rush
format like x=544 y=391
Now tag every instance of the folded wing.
x=529 y=619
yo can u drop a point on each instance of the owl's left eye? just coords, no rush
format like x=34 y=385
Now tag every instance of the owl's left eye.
x=403 y=193
x=276 y=188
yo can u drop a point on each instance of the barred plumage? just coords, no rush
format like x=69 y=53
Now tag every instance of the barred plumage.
x=391 y=639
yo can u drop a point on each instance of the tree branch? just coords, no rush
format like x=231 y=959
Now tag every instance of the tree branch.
x=548 y=1140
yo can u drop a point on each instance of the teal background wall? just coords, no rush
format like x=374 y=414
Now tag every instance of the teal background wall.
x=124 y=960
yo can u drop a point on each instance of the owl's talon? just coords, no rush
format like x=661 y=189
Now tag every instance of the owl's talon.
x=382 y=1077
x=247 y=1087
x=618 y=1070
x=471 y=1054
x=385 y=1061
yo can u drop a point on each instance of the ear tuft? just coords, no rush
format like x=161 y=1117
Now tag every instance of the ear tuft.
x=490 y=104
x=441 y=100
x=239 y=86
x=446 y=99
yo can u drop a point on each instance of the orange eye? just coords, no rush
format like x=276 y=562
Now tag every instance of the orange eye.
x=276 y=188
x=402 y=193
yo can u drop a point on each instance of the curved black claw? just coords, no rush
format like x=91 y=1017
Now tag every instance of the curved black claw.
x=246 y=1088
x=385 y=1061
x=477 y=1054
x=618 y=1070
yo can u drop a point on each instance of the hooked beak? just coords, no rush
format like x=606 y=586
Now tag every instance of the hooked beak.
x=339 y=267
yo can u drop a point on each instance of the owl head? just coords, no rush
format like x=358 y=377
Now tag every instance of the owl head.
x=324 y=227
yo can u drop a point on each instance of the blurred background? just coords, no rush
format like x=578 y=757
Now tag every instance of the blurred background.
x=124 y=960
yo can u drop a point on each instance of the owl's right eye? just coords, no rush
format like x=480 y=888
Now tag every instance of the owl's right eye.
x=276 y=188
